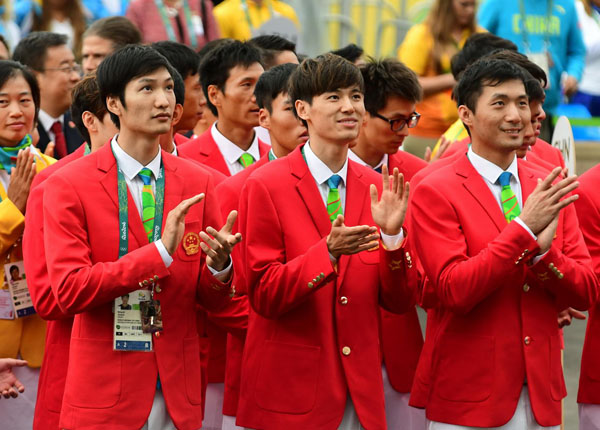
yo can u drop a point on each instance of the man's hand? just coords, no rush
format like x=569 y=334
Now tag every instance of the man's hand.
x=50 y=149
x=175 y=223
x=444 y=144
x=570 y=86
x=544 y=203
x=389 y=211
x=546 y=236
x=565 y=317
x=218 y=247
x=21 y=177
x=344 y=240
x=10 y=386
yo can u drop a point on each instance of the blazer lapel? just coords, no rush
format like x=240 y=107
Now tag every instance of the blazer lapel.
x=309 y=193
x=214 y=158
x=477 y=187
x=528 y=182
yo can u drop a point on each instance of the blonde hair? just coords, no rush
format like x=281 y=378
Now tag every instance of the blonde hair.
x=587 y=6
x=441 y=20
x=73 y=11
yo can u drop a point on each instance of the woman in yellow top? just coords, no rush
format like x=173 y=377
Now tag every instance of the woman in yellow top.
x=427 y=49
x=19 y=162
x=242 y=19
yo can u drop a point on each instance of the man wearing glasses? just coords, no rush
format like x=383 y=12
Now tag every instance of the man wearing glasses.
x=391 y=92
x=54 y=66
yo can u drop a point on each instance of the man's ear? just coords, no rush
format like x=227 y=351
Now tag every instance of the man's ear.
x=214 y=95
x=264 y=118
x=303 y=109
x=466 y=115
x=89 y=121
x=114 y=105
x=177 y=114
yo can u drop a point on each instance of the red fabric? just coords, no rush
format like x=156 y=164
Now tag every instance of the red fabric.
x=58 y=333
x=204 y=149
x=588 y=212
x=294 y=375
x=478 y=267
x=103 y=385
x=548 y=153
x=60 y=143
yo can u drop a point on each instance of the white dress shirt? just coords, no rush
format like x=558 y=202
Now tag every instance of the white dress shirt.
x=231 y=152
x=47 y=121
x=357 y=159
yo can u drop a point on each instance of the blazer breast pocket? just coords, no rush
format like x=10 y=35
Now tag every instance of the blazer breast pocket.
x=189 y=248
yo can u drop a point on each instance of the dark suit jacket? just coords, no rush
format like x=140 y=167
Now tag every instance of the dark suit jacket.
x=72 y=136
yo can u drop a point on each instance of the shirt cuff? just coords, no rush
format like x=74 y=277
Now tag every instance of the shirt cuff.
x=222 y=275
x=392 y=242
x=164 y=254
x=522 y=224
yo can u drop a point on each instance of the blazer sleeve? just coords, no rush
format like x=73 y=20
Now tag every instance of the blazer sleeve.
x=398 y=279
x=275 y=284
x=79 y=284
x=462 y=281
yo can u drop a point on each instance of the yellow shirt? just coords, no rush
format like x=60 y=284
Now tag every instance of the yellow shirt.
x=233 y=21
x=438 y=111
x=22 y=335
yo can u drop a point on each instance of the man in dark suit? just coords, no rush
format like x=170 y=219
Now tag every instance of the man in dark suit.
x=53 y=63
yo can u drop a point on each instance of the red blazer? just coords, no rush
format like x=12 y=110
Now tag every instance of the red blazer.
x=588 y=212
x=58 y=334
x=204 y=150
x=401 y=337
x=106 y=388
x=548 y=153
x=497 y=313
x=229 y=197
x=313 y=332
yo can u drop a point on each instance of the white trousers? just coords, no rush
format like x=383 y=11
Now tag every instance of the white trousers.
x=522 y=419
x=229 y=423
x=17 y=414
x=213 y=409
x=398 y=414
x=159 y=418
x=589 y=417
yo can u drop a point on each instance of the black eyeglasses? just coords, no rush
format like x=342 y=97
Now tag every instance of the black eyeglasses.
x=398 y=124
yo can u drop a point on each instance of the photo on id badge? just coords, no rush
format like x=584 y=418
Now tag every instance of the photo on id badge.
x=20 y=299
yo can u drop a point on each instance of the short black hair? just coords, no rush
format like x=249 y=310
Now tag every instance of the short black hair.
x=270 y=46
x=86 y=97
x=209 y=46
x=33 y=48
x=123 y=66
x=351 y=52
x=183 y=58
x=178 y=88
x=316 y=76
x=272 y=83
x=385 y=78
x=485 y=72
x=216 y=64
x=477 y=46
x=521 y=60
x=11 y=69
x=118 y=29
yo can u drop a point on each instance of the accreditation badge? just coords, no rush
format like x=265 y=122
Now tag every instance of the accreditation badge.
x=128 y=332
x=542 y=59
x=20 y=299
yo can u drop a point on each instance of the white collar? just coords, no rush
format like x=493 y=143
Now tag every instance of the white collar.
x=352 y=155
x=231 y=152
x=47 y=121
x=129 y=165
x=319 y=170
x=490 y=171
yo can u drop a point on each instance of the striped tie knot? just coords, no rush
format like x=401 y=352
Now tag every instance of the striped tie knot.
x=504 y=179
x=246 y=160
x=146 y=176
x=333 y=182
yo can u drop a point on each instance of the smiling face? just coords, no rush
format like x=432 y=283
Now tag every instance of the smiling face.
x=236 y=104
x=378 y=133
x=334 y=116
x=17 y=111
x=149 y=104
x=501 y=115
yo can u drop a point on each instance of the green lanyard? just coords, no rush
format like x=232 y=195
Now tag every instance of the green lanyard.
x=86 y=150
x=123 y=209
x=272 y=155
x=247 y=12
x=524 y=31
x=169 y=26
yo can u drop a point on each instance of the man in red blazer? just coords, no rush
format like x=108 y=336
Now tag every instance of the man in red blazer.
x=286 y=133
x=502 y=258
x=228 y=74
x=315 y=281
x=103 y=245
x=93 y=122
x=588 y=208
x=391 y=92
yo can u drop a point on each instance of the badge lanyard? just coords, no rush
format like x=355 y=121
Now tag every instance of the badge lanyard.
x=247 y=11
x=169 y=26
x=524 y=33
